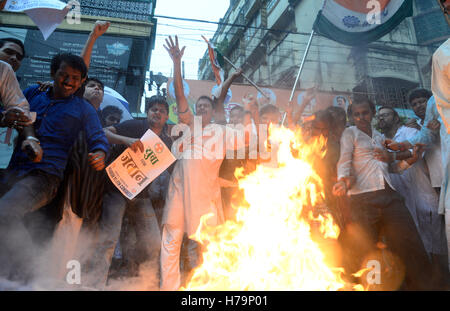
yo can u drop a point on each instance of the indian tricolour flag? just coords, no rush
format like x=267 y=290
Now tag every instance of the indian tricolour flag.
x=216 y=62
x=358 y=22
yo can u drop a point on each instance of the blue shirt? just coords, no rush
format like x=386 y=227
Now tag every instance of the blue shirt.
x=58 y=123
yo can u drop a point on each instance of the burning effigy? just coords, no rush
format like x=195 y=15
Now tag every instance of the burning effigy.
x=275 y=241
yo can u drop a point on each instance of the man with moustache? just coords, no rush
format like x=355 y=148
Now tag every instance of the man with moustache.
x=140 y=209
x=194 y=187
x=33 y=177
x=420 y=197
x=374 y=203
x=15 y=108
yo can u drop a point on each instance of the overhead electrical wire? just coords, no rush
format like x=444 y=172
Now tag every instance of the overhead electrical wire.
x=221 y=23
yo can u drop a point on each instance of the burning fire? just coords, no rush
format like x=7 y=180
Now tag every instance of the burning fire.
x=270 y=246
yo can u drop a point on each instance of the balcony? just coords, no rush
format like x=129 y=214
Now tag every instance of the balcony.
x=250 y=7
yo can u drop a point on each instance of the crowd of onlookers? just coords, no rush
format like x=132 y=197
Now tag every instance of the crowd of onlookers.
x=385 y=178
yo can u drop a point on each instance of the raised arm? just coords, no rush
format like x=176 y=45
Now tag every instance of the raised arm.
x=219 y=111
x=115 y=139
x=100 y=27
x=251 y=109
x=184 y=113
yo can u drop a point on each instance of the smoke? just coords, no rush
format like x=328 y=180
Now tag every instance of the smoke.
x=147 y=279
x=61 y=261
x=7 y=285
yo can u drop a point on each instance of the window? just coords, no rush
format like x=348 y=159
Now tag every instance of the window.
x=392 y=91
x=255 y=22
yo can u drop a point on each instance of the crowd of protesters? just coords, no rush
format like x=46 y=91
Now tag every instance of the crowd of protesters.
x=384 y=179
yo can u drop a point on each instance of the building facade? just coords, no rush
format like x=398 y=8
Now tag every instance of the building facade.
x=272 y=36
x=120 y=58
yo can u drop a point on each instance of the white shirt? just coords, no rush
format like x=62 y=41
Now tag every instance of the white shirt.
x=10 y=96
x=357 y=160
x=427 y=136
x=433 y=160
x=10 y=92
x=421 y=199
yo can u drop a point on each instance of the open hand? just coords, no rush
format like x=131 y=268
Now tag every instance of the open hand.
x=174 y=49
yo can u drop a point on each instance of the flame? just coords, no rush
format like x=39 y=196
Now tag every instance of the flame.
x=270 y=245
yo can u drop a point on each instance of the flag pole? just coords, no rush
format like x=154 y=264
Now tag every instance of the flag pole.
x=302 y=64
x=235 y=68
x=246 y=78
x=299 y=71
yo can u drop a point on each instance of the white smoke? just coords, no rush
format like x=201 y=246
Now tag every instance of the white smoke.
x=71 y=242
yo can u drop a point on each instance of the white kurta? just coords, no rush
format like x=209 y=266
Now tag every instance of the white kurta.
x=421 y=199
x=428 y=137
x=194 y=187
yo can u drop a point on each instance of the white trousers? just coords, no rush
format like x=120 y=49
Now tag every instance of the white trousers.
x=172 y=239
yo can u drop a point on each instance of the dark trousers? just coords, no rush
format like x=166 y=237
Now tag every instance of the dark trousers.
x=23 y=196
x=147 y=233
x=383 y=214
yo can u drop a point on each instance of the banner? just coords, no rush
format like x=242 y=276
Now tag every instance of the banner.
x=358 y=22
x=46 y=14
x=132 y=171
x=278 y=97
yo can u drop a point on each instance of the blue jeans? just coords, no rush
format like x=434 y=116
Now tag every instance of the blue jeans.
x=147 y=233
x=25 y=195
x=384 y=212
